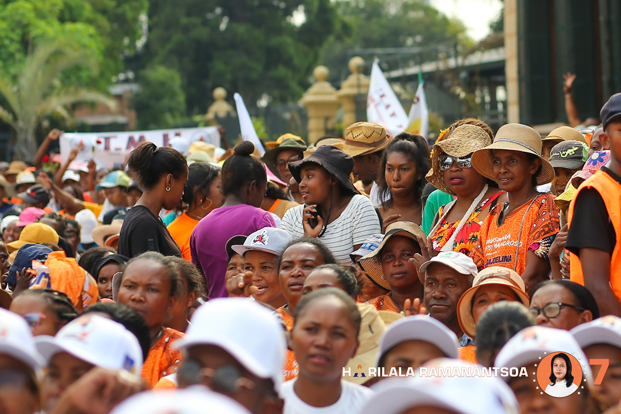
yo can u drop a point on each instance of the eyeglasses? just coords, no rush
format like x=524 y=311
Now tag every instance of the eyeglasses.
x=34 y=319
x=553 y=309
x=446 y=162
x=283 y=164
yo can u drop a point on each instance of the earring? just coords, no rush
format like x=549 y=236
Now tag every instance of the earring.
x=207 y=208
x=383 y=277
x=168 y=188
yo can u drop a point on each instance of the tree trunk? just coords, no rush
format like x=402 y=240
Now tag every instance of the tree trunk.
x=25 y=143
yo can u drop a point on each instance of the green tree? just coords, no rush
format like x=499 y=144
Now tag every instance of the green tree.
x=38 y=93
x=253 y=47
x=161 y=101
x=389 y=24
x=107 y=29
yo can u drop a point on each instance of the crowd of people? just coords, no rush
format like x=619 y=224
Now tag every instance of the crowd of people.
x=318 y=279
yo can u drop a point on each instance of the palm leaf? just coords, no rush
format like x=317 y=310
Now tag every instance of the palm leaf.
x=69 y=96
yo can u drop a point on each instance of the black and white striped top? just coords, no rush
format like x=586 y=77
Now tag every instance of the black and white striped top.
x=356 y=223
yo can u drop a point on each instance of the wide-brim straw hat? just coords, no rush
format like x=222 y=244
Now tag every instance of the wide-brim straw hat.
x=494 y=275
x=464 y=140
x=333 y=160
x=565 y=133
x=365 y=138
x=372 y=262
x=513 y=137
x=101 y=233
x=335 y=142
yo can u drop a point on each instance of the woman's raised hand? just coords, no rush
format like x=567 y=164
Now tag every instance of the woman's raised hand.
x=241 y=285
x=414 y=308
x=308 y=215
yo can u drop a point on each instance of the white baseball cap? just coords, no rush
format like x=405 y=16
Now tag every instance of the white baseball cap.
x=25 y=177
x=88 y=222
x=533 y=343
x=604 y=330
x=16 y=340
x=370 y=245
x=457 y=261
x=180 y=144
x=464 y=395
x=193 y=400
x=268 y=239
x=247 y=330
x=96 y=340
x=422 y=328
x=71 y=175
x=6 y=221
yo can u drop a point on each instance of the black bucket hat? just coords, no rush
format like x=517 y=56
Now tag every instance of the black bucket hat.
x=336 y=162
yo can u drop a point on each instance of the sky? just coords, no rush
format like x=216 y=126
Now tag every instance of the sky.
x=475 y=14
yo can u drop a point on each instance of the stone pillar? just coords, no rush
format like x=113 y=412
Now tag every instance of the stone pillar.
x=219 y=108
x=356 y=84
x=321 y=104
x=511 y=61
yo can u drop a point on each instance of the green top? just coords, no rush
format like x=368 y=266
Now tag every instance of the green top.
x=435 y=200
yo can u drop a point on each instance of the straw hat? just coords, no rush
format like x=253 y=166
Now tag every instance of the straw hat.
x=372 y=263
x=371 y=328
x=565 y=133
x=513 y=137
x=365 y=138
x=493 y=275
x=102 y=232
x=335 y=142
x=464 y=140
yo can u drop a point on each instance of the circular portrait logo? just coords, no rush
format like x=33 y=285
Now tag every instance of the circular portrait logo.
x=559 y=374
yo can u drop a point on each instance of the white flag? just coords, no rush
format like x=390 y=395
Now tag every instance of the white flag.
x=383 y=106
x=419 y=114
x=248 y=132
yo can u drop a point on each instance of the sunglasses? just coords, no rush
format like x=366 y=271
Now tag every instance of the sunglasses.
x=446 y=162
x=34 y=319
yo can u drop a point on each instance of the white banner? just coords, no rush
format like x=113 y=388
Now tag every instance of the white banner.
x=419 y=114
x=111 y=148
x=383 y=106
x=248 y=132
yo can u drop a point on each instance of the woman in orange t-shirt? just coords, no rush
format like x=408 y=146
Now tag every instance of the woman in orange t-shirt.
x=203 y=194
x=148 y=286
x=518 y=234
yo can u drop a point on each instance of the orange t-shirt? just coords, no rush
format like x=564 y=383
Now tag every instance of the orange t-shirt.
x=384 y=303
x=468 y=353
x=68 y=277
x=535 y=223
x=291 y=368
x=181 y=231
x=163 y=359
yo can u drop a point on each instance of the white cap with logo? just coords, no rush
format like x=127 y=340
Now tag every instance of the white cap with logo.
x=268 y=239
x=462 y=395
x=534 y=342
x=422 y=328
x=193 y=400
x=604 y=330
x=455 y=260
x=247 y=330
x=97 y=340
x=16 y=340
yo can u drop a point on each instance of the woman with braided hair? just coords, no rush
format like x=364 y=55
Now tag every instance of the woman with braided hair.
x=45 y=310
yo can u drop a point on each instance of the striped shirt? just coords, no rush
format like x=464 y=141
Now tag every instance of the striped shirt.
x=356 y=223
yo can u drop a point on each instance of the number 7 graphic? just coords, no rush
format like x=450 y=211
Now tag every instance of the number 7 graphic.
x=604 y=363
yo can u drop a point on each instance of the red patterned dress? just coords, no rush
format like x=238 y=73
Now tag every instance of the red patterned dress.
x=468 y=238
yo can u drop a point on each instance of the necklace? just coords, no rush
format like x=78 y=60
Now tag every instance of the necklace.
x=194 y=216
x=395 y=302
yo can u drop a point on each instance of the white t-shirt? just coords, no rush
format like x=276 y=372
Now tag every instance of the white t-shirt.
x=374 y=195
x=354 y=226
x=560 y=389
x=353 y=397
